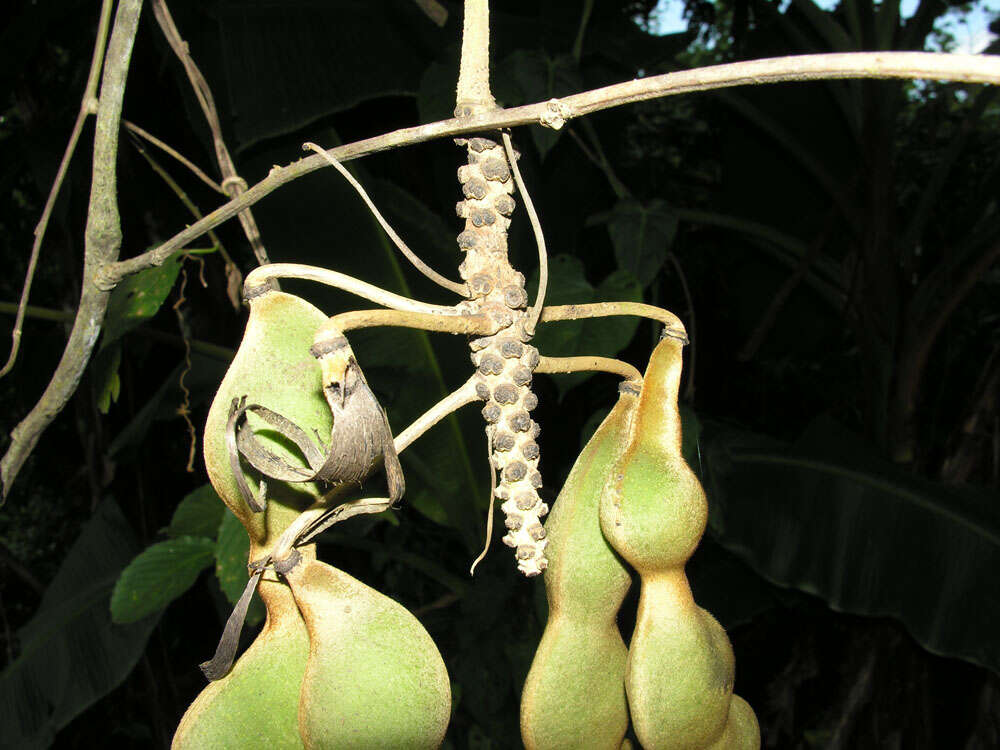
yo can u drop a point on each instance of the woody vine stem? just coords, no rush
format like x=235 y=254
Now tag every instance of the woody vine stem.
x=103 y=269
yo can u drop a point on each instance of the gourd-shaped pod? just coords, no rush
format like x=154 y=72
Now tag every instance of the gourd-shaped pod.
x=680 y=667
x=374 y=678
x=273 y=367
x=742 y=731
x=255 y=706
x=574 y=695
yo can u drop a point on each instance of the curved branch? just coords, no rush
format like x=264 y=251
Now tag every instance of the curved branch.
x=453 y=286
x=232 y=184
x=470 y=325
x=261 y=275
x=566 y=365
x=102 y=243
x=672 y=325
x=555 y=113
x=87 y=107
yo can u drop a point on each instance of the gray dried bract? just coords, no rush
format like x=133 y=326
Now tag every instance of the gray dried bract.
x=360 y=441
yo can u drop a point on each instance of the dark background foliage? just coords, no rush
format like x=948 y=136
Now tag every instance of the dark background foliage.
x=831 y=246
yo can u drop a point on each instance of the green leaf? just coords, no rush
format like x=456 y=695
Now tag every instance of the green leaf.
x=232 y=551
x=158 y=575
x=827 y=517
x=71 y=653
x=107 y=383
x=138 y=298
x=602 y=337
x=642 y=236
x=198 y=514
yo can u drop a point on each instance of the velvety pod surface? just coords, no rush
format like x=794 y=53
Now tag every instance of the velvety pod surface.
x=374 y=678
x=273 y=367
x=574 y=695
x=742 y=731
x=680 y=669
x=255 y=706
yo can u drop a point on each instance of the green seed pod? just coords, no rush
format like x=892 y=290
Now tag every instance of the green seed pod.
x=742 y=731
x=574 y=695
x=256 y=705
x=273 y=367
x=679 y=672
x=680 y=668
x=374 y=678
x=655 y=510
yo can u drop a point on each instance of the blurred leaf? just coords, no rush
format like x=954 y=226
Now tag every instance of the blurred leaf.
x=232 y=552
x=71 y=653
x=528 y=76
x=591 y=425
x=634 y=49
x=726 y=586
x=202 y=380
x=824 y=24
x=436 y=95
x=690 y=437
x=641 y=234
x=158 y=575
x=138 y=298
x=603 y=337
x=280 y=74
x=107 y=383
x=426 y=233
x=198 y=514
x=826 y=516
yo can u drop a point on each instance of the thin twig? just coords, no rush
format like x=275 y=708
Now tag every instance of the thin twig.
x=455 y=400
x=184 y=410
x=39 y=313
x=600 y=162
x=232 y=184
x=264 y=274
x=478 y=324
x=102 y=244
x=912 y=372
x=588 y=7
x=959 y=463
x=566 y=365
x=779 y=299
x=453 y=286
x=176 y=155
x=672 y=324
x=489 y=513
x=536 y=227
x=440 y=603
x=221 y=353
x=318 y=516
x=234 y=279
x=88 y=105
x=930 y=65
x=182 y=196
